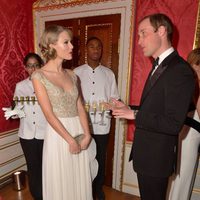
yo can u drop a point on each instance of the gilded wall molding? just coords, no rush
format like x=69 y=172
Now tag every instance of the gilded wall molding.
x=197 y=30
x=42 y=5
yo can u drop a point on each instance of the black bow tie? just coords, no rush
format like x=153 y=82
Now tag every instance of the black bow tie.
x=155 y=62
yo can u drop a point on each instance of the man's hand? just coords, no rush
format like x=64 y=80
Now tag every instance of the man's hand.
x=123 y=112
x=120 y=110
x=113 y=103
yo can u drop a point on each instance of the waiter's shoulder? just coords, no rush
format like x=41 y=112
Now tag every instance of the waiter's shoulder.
x=22 y=83
x=107 y=70
x=80 y=68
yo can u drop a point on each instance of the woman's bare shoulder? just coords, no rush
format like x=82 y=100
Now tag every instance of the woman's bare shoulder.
x=38 y=74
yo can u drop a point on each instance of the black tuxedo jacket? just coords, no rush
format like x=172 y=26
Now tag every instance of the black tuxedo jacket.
x=163 y=108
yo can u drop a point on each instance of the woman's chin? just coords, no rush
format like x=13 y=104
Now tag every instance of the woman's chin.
x=68 y=57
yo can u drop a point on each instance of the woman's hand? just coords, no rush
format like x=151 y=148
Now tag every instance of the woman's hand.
x=74 y=147
x=85 y=141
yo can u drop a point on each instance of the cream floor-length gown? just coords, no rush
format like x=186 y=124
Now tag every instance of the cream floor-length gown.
x=66 y=176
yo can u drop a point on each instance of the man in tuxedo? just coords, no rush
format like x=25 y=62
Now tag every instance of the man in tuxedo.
x=164 y=104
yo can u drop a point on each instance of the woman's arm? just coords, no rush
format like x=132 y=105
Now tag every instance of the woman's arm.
x=84 y=122
x=46 y=107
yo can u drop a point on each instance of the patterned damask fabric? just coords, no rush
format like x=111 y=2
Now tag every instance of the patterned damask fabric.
x=16 y=40
x=184 y=21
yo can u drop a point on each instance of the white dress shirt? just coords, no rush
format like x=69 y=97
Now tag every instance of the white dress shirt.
x=97 y=85
x=162 y=57
x=33 y=125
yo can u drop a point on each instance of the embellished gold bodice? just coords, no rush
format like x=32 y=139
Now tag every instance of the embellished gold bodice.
x=64 y=103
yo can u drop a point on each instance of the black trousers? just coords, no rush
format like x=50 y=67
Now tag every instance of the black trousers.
x=101 y=142
x=152 y=188
x=33 y=154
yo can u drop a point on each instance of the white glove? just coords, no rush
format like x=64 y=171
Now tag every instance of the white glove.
x=6 y=109
x=17 y=112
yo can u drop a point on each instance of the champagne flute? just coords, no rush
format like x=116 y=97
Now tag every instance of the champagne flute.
x=33 y=99
x=87 y=106
x=22 y=100
x=16 y=99
x=102 y=109
x=27 y=99
x=94 y=109
x=112 y=105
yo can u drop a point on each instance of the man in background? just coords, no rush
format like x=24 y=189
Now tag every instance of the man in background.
x=98 y=85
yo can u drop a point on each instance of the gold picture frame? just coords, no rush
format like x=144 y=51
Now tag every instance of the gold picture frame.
x=197 y=30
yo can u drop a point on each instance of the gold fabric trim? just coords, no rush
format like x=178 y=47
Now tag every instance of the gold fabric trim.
x=197 y=30
x=41 y=5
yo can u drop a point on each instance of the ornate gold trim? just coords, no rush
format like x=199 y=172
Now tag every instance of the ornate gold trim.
x=41 y=5
x=197 y=30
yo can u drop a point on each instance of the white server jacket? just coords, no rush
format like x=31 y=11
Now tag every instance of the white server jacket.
x=33 y=125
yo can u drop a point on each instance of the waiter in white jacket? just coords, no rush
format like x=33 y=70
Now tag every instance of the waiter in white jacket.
x=32 y=126
x=98 y=85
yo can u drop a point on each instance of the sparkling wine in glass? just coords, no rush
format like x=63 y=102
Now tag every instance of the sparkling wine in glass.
x=22 y=100
x=87 y=106
x=94 y=109
x=102 y=112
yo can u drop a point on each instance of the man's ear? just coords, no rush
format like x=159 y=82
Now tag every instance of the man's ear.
x=162 y=30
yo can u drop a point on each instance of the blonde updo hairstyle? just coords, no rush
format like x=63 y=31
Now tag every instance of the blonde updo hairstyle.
x=50 y=36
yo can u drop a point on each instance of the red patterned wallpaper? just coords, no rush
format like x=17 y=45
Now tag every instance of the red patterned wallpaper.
x=16 y=40
x=183 y=14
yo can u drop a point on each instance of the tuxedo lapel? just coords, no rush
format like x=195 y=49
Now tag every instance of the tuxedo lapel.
x=152 y=79
x=157 y=73
x=147 y=86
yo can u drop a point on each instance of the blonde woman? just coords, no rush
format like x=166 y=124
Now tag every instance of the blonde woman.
x=66 y=161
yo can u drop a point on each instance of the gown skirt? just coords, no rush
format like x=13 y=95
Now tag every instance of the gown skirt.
x=182 y=183
x=67 y=176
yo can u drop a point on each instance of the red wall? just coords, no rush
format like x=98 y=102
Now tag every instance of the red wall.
x=16 y=40
x=183 y=14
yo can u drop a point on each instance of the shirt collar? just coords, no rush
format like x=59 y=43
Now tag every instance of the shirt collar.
x=95 y=68
x=165 y=54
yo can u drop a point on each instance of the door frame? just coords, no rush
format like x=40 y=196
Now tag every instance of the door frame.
x=44 y=10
